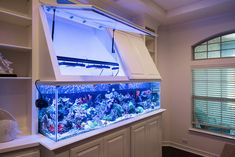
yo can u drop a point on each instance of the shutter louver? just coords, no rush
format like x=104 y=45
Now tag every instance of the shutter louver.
x=214 y=99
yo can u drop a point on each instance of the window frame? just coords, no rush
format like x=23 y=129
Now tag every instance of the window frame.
x=206 y=63
x=206 y=40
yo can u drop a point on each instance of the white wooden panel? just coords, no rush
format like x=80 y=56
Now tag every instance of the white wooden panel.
x=48 y=66
x=117 y=144
x=32 y=154
x=135 y=57
x=153 y=139
x=91 y=149
x=129 y=54
x=138 y=140
x=28 y=153
x=147 y=61
x=13 y=34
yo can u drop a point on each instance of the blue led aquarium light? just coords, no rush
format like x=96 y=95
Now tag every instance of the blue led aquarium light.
x=60 y=58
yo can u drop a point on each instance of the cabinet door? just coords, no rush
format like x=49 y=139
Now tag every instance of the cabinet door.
x=91 y=149
x=153 y=138
x=33 y=154
x=22 y=154
x=138 y=140
x=117 y=144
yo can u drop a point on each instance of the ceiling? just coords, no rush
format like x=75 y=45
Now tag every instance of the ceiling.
x=168 y=12
x=173 y=4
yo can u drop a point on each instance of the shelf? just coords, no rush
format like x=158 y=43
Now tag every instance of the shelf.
x=15 y=17
x=15 y=78
x=15 y=47
x=21 y=142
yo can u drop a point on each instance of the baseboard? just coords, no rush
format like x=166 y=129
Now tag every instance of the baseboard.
x=189 y=149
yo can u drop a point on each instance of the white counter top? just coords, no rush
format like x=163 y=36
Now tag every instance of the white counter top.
x=21 y=142
x=36 y=140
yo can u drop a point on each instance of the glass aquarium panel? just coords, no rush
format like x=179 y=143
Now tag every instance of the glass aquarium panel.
x=214 y=47
x=47 y=116
x=202 y=55
x=86 y=107
x=214 y=54
x=228 y=37
x=200 y=48
x=228 y=53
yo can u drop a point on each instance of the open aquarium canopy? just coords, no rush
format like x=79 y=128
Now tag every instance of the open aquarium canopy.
x=96 y=17
x=85 y=43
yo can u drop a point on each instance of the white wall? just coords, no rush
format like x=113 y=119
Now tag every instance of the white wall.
x=174 y=63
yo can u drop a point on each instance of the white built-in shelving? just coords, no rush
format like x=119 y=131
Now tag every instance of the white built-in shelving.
x=150 y=44
x=15 y=78
x=14 y=17
x=16 y=46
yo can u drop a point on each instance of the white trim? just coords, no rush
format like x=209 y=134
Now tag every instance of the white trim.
x=212 y=133
x=189 y=149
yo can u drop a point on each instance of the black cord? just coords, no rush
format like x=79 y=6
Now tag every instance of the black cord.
x=40 y=102
x=113 y=41
x=117 y=72
x=53 y=25
x=36 y=85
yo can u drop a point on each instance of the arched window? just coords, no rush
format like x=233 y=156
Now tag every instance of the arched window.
x=213 y=88
x=221 y=46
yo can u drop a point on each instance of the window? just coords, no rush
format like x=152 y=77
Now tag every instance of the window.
x=213 y=88
x=217 y=47
x=214 y=100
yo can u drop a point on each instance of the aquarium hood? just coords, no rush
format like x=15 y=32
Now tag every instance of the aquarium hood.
x=83 y=43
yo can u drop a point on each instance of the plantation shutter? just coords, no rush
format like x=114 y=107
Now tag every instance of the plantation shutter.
x=214 y=100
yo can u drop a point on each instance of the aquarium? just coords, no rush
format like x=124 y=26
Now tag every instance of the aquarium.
x=74 y=109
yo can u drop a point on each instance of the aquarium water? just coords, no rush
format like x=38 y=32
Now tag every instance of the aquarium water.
x=78 y=108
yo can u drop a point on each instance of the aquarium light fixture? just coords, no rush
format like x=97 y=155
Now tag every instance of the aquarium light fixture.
x=78 y=62
x=89 y=64
x=98 y=66
x=72 y=64
x=61 y=58
x=74 y=18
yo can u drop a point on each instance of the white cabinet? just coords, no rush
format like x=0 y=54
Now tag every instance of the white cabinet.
x=117 y=144
x=24 y=153
x=153 y=138
x=91 y=149
x=135 y=56
x=32 y=154
x=138 y=140
x=150 y=44
x=16 y=46
x=143 y=139
x=146 y=139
